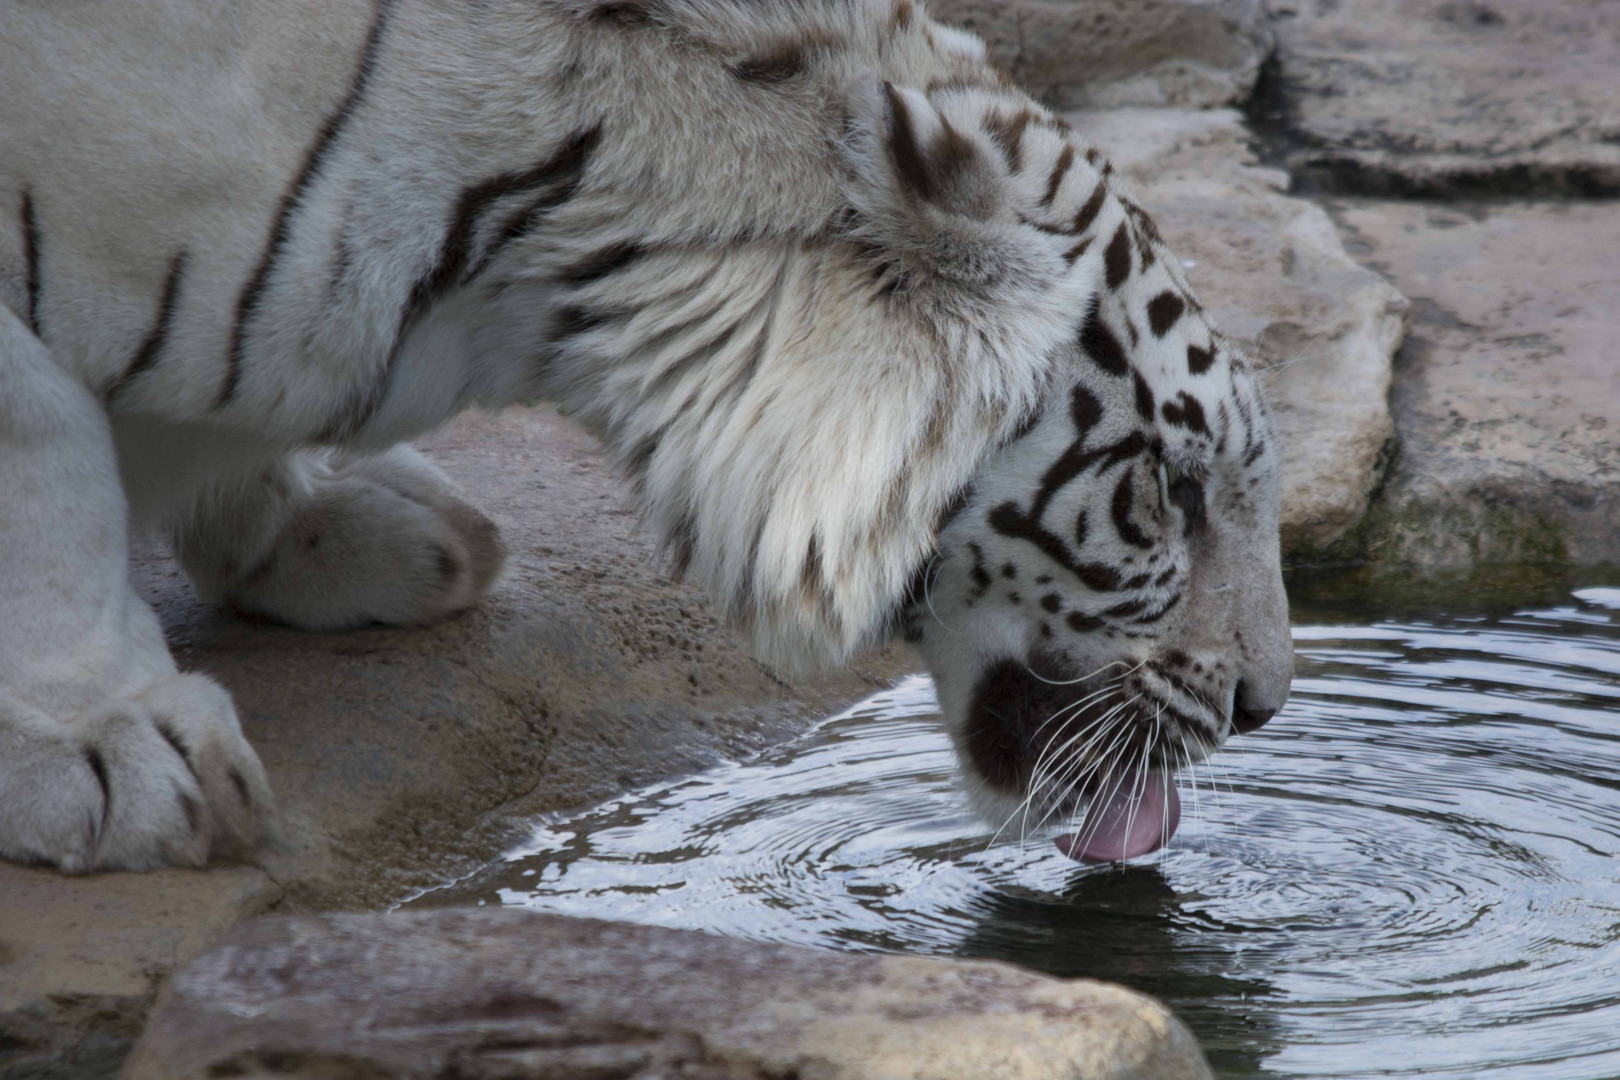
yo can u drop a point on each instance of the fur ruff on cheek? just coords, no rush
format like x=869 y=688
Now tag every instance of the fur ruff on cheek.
x=804 y=503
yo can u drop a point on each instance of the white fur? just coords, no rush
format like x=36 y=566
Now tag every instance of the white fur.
x=803 y=359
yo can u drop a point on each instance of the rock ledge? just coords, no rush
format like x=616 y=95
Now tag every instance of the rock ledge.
x=518 y=995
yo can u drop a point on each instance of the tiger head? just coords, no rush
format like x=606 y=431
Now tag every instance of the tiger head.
x=1105 y=602
x=949 y=384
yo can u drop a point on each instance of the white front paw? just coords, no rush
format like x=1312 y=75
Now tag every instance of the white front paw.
x=160 y=778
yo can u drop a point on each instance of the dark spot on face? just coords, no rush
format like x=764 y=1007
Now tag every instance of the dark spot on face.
x=1008 y=703
x=1083 y=624
x=1186 y=412
x=1008 y=570
x=1188 y=494
x=1014 y=599
x=1052 y=603
x=1117 y=259
x=1199 y=360
x=1084 y=409
x=1163 y=311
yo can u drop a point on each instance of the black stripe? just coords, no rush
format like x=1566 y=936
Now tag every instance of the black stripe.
x=1093 y=206
x=1154 y=616
x=1078 y=250
x=1144 y=396
x=152 y=344
x=702 y=354
x=1102 y=345
x=1120 y=508
x=600 y=264
x=30 y=238
x=247 y=303
x=561 y=173
x=738 y=385
x=908 y=158
x=563 y=168
x=1059 y=171
x=529 y=217
x=1117 y=259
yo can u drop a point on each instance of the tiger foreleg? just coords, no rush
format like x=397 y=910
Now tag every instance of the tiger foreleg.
x=109 y=757
x=326 y=541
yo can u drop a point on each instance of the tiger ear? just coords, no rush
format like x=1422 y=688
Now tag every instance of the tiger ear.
x=930 y=194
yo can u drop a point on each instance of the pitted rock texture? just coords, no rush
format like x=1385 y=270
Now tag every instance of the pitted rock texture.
x=1092 y=54
x=1507 y=392
x=1275 y=276
x=517 y=995
x=1447 y=97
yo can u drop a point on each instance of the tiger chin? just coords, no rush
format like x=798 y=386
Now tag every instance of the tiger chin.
x=883 y=345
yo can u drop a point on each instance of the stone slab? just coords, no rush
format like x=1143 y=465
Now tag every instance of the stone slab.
x=1275 y=276
x=1506 y=395
x=81 y=958
x=518 y=995
x=1099 y=54
x=401 y=758
x=1447 y=97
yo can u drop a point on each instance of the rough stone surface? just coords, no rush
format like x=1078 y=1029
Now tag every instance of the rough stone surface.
x=403 y=757
x=80 y=958
x=1075 y=54
x=1276 y=277
x=1448 y=97
x=517 y=995
x=1507 y=392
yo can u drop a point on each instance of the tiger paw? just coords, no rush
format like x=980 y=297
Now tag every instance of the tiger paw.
x=159 y=778
x=374 y=539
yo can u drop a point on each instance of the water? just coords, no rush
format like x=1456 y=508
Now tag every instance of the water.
x=1411 y=872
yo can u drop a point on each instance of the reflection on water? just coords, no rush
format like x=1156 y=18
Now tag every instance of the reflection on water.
x=1411 y=871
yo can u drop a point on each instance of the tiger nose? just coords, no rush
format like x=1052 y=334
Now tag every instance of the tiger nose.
x=1247 y=714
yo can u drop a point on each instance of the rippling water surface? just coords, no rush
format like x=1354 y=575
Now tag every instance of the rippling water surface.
x=1414 y=870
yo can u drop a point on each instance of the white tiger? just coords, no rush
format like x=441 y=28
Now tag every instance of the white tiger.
x=877 y=337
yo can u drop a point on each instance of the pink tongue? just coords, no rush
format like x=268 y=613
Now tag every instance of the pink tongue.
x=1125 y=821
